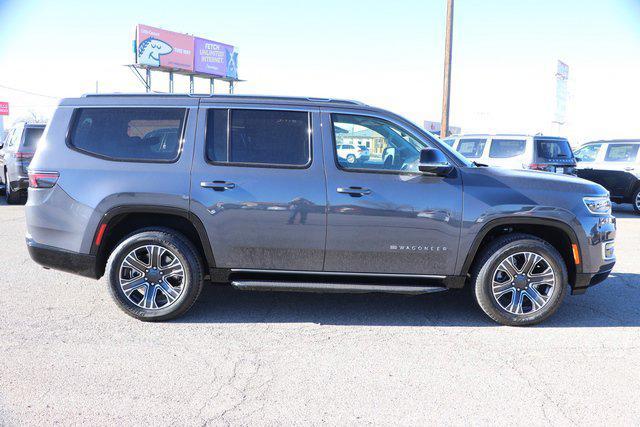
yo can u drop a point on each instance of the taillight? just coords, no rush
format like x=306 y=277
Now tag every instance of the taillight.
x=20 y=155
x=537 y=167
x=43 y=179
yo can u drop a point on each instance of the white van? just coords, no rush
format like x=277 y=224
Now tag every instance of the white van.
x=513 y=151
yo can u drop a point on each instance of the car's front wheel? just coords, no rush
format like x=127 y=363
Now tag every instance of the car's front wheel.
x=519 y=280
x=155 y=274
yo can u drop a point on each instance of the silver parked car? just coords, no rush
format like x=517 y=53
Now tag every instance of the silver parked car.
x=16 y=152
x=535 y=152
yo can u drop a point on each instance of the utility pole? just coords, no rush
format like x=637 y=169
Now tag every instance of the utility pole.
x=446 y=91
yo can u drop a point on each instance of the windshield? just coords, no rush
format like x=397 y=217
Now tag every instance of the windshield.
x=553 y=149
x=31 y=137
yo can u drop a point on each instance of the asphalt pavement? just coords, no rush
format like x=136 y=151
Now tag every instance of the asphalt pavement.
x=69 y=356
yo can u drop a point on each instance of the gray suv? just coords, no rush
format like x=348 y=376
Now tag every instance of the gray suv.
x=16 y=152
x=161 y=193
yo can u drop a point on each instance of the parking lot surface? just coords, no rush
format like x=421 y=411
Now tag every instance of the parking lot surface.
x=68 y=355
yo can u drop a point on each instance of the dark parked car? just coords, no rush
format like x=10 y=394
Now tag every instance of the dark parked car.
x=615 y=165
x=16 y=152
x=254 y=193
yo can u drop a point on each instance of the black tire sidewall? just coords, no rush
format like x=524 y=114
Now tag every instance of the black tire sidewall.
x=192 y=273
x=483 y=288
x=636 y=208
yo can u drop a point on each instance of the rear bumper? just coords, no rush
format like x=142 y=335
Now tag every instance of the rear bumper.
x=586 y=280
x=60 y=259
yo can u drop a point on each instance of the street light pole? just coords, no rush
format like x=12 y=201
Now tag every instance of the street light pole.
x=446 y=91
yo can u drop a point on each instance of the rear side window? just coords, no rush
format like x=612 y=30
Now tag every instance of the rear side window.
x=622 y=152
x=504 y=148
x=260 y=137
x=31 y=137
x=449 y=141
x=553 y=149
x=471 y=148
x=129 y=134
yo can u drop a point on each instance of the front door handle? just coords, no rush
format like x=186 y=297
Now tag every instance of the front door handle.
x=218 y=185
x=354 y=191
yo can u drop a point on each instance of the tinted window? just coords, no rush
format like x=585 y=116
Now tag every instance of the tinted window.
x=588 y=153
x=449 y=141
x=622 y=152
x=32 y=136
x=471 y=148
x=553 y=148
x=151 y=134
x=390 y=148
x=259 y=137
x=503 y=148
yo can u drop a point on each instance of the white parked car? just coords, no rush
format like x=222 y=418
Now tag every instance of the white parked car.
x=352 y=153
x=537 y=152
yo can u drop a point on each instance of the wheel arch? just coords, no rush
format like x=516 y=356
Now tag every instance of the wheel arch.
x=123 y=220
x=557 y=233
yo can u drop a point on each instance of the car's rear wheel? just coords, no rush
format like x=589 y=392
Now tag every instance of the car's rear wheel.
x=351 y=159
x=636 y=200
x=155 y=274
x=11 y=197
x=519 y=280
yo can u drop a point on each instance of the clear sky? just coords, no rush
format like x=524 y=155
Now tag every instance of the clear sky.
x=388 y=54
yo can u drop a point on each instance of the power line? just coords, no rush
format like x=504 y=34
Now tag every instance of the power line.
x=30 y=93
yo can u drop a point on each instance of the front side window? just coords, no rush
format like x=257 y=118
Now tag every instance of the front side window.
x=390 y=147
x=505 y=148
x=588 y=153
x=129 y=134
x=472 y=148
x=260 y=137
x=622 y=152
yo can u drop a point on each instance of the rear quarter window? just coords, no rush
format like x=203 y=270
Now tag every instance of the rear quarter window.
x=622 y=152
x=505 y=148
x=129 y=134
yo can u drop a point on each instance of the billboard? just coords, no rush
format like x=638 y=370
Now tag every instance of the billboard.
x=4 y=108
x=215 y=58
x=181 y=52
x=162 y=48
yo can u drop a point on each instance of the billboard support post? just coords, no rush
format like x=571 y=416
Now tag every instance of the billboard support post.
x=191 y=84
x=231 y=87
x=446 y=91
x=211 y=82
x=148 y=82
x=170 y=81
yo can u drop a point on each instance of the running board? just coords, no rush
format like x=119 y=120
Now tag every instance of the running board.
x=253 y=285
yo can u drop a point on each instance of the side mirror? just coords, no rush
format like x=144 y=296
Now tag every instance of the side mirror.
x=434 y=162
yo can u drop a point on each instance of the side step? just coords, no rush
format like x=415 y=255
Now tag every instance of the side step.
x=253 y=285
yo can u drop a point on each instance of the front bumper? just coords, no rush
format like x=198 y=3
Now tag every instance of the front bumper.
x=60 y=259
x=586 y=280
x=21 y=184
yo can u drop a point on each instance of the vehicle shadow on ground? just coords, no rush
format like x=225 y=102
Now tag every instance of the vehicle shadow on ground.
x=613 y=303
x=624 y=211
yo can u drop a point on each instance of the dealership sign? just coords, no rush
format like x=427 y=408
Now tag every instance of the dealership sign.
x=4 y=108
x=164 y=49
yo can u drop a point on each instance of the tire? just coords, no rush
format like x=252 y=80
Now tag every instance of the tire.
x=351 y=159
x=635 y=200
x=183 y=288
x=11 y=197
x=489 y=267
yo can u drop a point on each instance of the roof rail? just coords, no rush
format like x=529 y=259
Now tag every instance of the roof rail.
x=247 y=97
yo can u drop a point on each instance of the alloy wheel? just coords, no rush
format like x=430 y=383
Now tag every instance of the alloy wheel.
x=523 y=283
x=637 y=201
x=152 y=277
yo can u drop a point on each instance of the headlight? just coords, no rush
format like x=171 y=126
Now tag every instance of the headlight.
x=598 y=205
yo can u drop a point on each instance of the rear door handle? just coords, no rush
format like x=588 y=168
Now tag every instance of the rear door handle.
x=354 y=191
x=218 y=185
